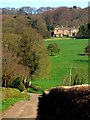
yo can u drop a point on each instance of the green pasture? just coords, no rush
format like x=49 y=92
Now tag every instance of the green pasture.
x=60 y=64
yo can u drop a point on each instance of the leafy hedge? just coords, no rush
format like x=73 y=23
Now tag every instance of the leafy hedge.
x=65 y=104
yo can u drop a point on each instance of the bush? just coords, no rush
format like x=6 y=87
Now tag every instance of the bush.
x=18 y=84
x=78 y=80
x=21 y=87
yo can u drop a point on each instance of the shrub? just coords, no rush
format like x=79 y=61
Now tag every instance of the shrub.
x=35 y=87
x=18 y=84
x=78 y=80
x=21 y=87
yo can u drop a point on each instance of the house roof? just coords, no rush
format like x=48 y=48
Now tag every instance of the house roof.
x=66 y=28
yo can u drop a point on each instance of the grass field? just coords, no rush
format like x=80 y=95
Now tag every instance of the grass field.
x=60 y=64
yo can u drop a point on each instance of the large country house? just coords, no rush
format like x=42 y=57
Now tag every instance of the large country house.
x=65 y=31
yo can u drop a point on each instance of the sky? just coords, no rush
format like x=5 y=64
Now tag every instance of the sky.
x=43 y=3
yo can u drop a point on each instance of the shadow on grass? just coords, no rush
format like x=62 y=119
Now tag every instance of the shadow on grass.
x=81 y=60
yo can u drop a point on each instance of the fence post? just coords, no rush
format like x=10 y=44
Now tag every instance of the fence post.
x=70 y=83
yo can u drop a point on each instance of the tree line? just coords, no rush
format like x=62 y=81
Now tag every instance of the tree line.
x=24 y=53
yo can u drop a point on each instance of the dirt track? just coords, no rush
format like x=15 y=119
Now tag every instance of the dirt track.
x=23 y=109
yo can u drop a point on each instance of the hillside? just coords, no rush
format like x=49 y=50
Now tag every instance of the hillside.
x=65 y=16
x=25 y=10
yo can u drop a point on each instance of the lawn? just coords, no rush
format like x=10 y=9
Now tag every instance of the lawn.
x=60 y=64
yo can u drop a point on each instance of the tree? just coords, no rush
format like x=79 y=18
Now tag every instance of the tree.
x=53 y=49
x=65 y=16
x=10 y=67
x=83 y=31
x=87 y=49
x=33 y=54
x=38 y=23
x=19 y=35
x=74 y=7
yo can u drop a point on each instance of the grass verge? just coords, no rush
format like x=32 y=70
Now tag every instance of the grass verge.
x=31 y=90
x=10 y=96
x=8 y=102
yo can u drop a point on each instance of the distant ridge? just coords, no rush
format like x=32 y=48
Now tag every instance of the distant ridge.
x=66 y=16
x=26 y=9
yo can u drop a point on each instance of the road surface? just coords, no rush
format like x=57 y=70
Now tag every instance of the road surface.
x=23 y=109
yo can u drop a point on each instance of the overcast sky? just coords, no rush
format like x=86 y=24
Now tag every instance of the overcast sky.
x=43 y=3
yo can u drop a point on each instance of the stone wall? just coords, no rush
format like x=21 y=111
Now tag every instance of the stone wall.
x=65 y=103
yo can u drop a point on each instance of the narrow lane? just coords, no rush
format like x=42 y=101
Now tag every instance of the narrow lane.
x=23 y=109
